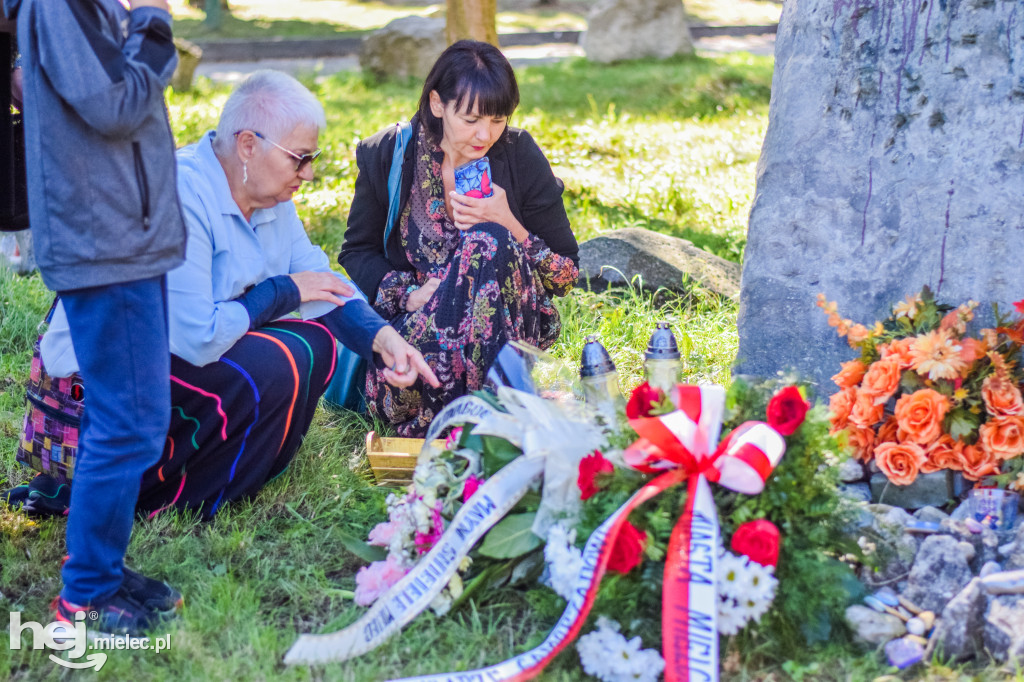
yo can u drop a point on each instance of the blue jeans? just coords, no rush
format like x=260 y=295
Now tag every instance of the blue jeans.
x=119 y=333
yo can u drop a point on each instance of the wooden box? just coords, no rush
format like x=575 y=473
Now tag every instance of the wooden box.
x=394 y=459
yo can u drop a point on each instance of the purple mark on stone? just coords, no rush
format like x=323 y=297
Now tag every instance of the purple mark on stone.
x=1020 y=142
x=867 y=202
x=927 y=21
x=945 y=233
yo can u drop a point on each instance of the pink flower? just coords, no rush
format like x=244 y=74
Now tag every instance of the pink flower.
x=452 y=441
x=470 y=487
x=374 y=580
x=426 y=541
x=382 y=533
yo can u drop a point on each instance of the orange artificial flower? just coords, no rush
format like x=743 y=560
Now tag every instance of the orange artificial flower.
x=858 y=333
x=900 y=462
x=1002 y=397
x=861 y=439
x=972 y=350
x=900 y=348
x=840 y=405
x=937 y=355
x=1002 y=437
x=889 y=432
x=920 y=415
x=909 y=307
x=882 y=379
x=865 y=412
x=851 y=374
x=945 y=453
x=977 y=463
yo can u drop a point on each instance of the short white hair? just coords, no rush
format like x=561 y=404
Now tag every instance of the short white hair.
x=271 y=103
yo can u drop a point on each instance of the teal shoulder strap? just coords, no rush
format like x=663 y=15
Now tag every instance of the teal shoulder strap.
x=395 y=177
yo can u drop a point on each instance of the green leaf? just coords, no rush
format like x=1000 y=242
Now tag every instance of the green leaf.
x=358 y=547
x=512 y=537
x=962 y=423
x=497 y=452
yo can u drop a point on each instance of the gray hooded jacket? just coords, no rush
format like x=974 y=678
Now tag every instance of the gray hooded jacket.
x=99 y=150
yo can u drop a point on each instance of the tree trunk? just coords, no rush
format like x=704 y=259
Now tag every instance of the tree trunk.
x=472 y=19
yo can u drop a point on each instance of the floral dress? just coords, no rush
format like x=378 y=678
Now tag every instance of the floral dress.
x=493 y=290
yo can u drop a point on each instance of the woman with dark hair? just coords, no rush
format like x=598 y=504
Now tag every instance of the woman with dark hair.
x=459 y=276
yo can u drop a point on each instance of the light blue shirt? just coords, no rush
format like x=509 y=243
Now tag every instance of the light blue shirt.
x=226 y=254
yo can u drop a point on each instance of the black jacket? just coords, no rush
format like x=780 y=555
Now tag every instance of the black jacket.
x=517 y=165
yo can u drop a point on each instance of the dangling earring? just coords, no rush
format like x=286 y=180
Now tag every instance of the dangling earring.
x=245 y=172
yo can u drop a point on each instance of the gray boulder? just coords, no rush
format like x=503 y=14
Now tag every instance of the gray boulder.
x=408 y=46
x=892 y=159
x=659 y=260
x=927 y=490
x=939 y=573
x=634 y=29
x=958 y=632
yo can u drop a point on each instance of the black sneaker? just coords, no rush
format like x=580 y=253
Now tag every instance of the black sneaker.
x=118 y=616
x=153 y=594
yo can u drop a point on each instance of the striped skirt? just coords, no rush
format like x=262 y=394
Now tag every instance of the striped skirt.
x=237 y=423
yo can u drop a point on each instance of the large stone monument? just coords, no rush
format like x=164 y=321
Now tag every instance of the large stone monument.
x=894 y=158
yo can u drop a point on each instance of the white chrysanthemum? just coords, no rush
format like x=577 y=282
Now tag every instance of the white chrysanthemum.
x=733 y=576
x=442 y=603
x=761 y=582
x=564 y=560
x=608 y=656
x=752 y=608
x=731 y=618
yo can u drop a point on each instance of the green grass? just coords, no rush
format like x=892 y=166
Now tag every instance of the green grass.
x=667 y=145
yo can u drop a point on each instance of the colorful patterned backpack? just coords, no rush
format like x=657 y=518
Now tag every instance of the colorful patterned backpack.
x=53 y=414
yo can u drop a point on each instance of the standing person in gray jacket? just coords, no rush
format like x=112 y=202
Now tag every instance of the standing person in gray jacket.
x=107 y=227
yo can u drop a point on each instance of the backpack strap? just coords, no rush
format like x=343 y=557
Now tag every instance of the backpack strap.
x=395 y=176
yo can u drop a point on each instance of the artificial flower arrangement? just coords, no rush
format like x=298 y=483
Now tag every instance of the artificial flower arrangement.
x=926 y=396
x=774 y=589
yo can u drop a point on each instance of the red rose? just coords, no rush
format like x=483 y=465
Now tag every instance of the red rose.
x=628 y=549
x=590 y=467
x=643 y=400
x=786 y=410
x=758 y=540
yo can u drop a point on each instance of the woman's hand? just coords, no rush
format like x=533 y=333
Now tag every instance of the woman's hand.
x=469 y=211
x=418 y=298
x=404 y=363
x=321 y=286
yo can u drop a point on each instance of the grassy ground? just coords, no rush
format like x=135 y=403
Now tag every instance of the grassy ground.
x=327 y=18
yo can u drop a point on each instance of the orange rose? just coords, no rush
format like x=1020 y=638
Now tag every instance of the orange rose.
x=920 y=415
x=977 y=463
x=1002 y=437
x=1002 y=398
x=889 y=432
x=900 y=349
x=943 y=454
x=900 y=462
x=840 y=405
x=882 y=379
x=860 y=440
x=865 y=412
x=851 y=374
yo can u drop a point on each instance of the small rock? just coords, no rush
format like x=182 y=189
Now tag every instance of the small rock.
x=1004 y=627
x=887 y=597
x=928 y=619
x=940 y=571
x=915 y=626
x=988 y=569
x=851 y=471
x=930 y=515
x=1004 y=582
x=910 y=606
x=974 y=525
x=958 y=632
x=856 y=492
x=872 y=627
x=875 y=604
x=962 y=512
x=1007 y=549
x=903 y=653
x=967 y=550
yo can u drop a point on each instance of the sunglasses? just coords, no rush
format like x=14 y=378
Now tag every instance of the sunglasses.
x=301 y=160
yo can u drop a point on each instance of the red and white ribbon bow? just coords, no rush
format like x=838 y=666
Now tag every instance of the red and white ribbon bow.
x=686 y=441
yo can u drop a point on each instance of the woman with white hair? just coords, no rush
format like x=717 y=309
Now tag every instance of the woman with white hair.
x=246 y=377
